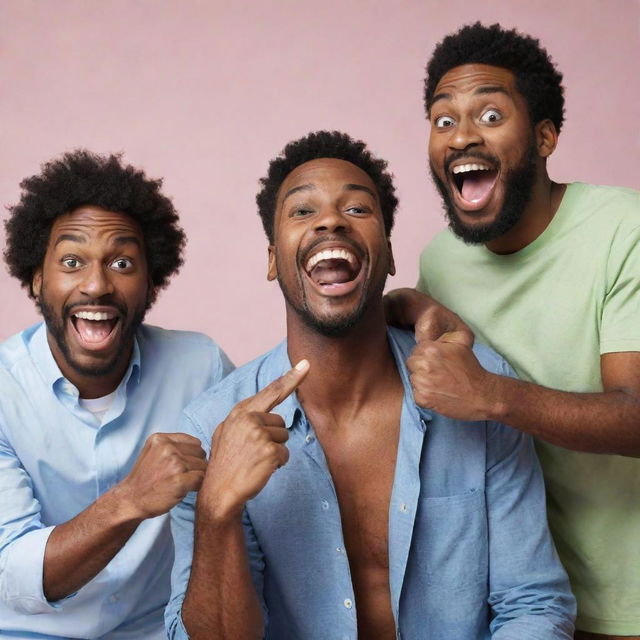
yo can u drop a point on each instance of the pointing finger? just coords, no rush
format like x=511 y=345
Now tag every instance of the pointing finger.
x=274 y=393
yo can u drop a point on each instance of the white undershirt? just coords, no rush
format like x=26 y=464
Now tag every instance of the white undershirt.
x=98 y=406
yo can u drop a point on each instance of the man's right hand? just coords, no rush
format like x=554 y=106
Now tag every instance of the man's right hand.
x=248 y=447
x=169 y=466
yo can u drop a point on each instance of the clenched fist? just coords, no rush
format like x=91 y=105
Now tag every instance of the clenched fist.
x=248 y=447
x=169 y=466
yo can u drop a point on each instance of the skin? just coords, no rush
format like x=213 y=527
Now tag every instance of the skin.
x=357 y=423
x=96 y=257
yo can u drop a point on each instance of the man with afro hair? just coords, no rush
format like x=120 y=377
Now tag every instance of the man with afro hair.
x=88 y=398
x=548 y=274
x=332 y=507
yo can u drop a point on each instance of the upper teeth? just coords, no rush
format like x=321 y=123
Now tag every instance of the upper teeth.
x=94 y=315
x=463 y=168
x=331 y=254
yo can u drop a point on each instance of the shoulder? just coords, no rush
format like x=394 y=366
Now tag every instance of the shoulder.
x=443 y=241
x=213 y=405
x=607 y=206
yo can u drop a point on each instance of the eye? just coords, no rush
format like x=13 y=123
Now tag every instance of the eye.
x=121 y=264
x=300 y=212
x=357 y=210
x=491 y=116
x=71 y=263
x=443 y=122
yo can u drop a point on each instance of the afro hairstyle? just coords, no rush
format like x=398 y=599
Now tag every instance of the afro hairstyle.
x=325 y=144
x=81 y=178
x=537 y=79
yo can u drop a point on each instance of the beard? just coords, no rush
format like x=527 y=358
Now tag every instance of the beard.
x=56 y=328
x=519 y=182
x=335 y=325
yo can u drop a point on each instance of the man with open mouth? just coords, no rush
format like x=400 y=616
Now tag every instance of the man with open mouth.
x=332 y=507
x=88 y=466
x=549 y=275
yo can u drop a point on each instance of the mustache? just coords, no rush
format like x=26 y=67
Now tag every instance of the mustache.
x=304 y=253
x=469 y=157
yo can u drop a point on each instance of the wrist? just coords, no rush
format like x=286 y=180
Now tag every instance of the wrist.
x=121 y=505
x=217 y=509
x=496 y=395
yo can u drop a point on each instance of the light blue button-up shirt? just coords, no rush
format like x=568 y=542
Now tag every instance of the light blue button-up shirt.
x=470 y=555
x=56 y=459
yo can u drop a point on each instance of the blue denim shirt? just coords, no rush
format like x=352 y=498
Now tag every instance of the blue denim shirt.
x=56 y=459
x=470 y=555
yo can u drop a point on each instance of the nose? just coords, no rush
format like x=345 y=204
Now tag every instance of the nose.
x=333 y=220
x=466 y=134
x=96 y=281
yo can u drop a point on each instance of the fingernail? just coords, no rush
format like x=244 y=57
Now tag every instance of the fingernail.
x=302 y=365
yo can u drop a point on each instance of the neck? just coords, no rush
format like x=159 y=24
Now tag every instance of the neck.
x=345 y=371
x=91 y=386
x=546 y=197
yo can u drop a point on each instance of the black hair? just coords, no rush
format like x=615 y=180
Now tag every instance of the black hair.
x=81 y=178
x=325 y=144
x=537 y=78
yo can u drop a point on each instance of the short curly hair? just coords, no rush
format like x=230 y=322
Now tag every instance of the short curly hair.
x=537 y=78
x=325 y=144
x=81 y=178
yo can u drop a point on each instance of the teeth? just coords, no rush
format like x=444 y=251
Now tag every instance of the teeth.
x=463 y=168
x=331 y=254
x=94 y=315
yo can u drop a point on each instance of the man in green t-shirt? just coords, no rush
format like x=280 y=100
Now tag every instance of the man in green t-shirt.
x=548 y=275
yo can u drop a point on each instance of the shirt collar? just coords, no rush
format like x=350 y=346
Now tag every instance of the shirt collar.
x=290 y=408
x=40 y=353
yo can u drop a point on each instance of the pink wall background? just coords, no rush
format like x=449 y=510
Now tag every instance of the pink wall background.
x=205 y=93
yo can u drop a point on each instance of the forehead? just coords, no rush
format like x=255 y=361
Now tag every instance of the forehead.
x=93 y=224
x=470 y=78
x=330 y=174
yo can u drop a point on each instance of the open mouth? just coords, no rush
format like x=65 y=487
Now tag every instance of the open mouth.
x=334 y=270
x=474 y=182
x=95 y=328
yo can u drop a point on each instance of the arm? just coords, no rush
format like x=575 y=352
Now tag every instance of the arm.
x=221 y=600
x=408 y=308
x=529 y=592
x=448 y=378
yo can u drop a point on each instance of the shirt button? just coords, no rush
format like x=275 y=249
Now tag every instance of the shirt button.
x=339 y=549
x=308 y=439
x=113 y=598
x=348 y=604
x=325 y=505
x=403 y=507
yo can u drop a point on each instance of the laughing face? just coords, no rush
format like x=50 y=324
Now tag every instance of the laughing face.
x=330 y=255
x=93 y=289
x=482 y=151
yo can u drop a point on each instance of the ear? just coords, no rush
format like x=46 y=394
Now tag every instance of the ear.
x=392 y=264
x=546 y=138
x=36 y=283
x=272 y=269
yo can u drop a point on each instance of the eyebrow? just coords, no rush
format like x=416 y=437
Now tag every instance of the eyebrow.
x=347 y=187
x=478 y=92
x=119 y=241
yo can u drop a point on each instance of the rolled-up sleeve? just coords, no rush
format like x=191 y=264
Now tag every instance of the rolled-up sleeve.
x=529 y=589
x=23 y=539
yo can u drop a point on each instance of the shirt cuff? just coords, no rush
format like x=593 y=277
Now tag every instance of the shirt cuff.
x=21 y=571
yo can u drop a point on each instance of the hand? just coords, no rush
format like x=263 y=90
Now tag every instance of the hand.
x=447 y=377
x=248 y=447
x=409 y=308
x=169 y=466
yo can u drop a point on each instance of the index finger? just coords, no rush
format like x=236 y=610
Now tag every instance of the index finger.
x=275 y=392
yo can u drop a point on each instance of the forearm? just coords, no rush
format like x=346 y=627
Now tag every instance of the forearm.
x=606 y=422
x=221 y=601
x=79 y=549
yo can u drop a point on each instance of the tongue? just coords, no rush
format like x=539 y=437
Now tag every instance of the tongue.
x=94 y=330
x=477 y=184
x=332 y=272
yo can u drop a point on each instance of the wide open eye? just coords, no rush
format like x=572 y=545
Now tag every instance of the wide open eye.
x=71 y=262
x=121 y=264
x=443 y=122
x=491 y=116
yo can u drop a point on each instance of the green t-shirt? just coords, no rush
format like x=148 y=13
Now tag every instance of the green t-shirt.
x=551 y=309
